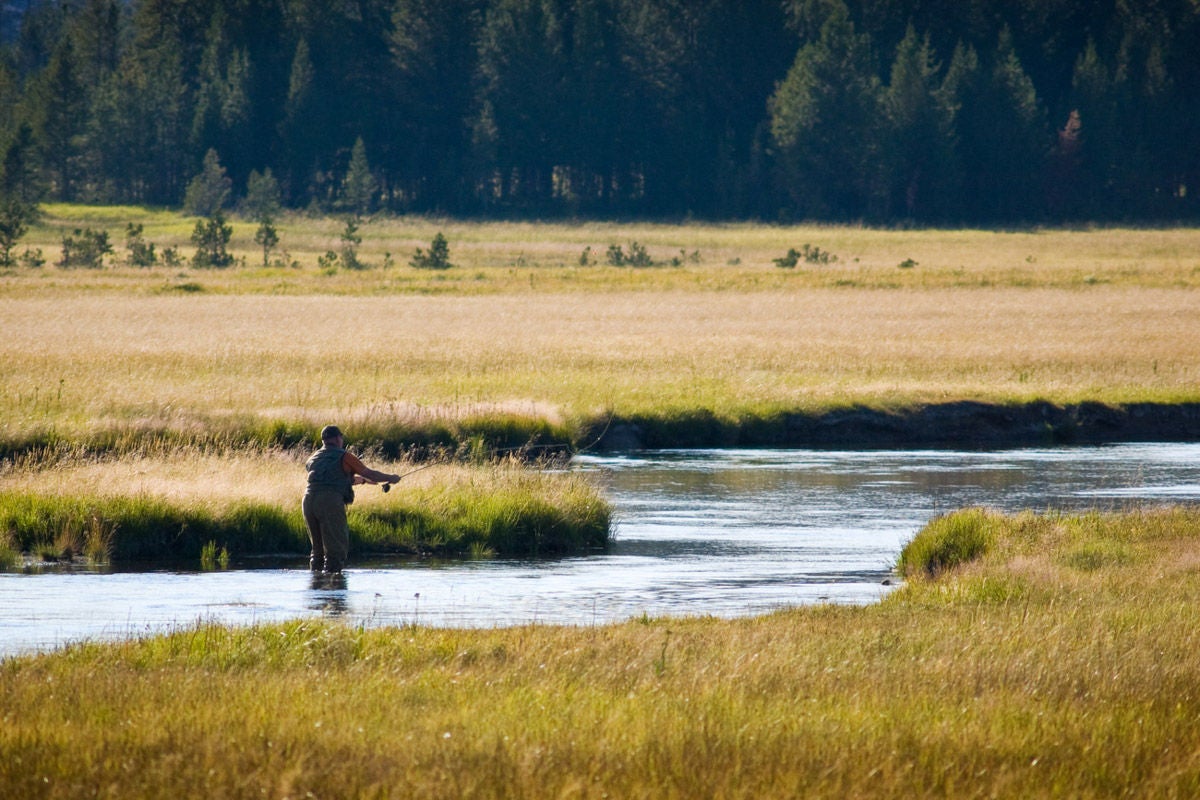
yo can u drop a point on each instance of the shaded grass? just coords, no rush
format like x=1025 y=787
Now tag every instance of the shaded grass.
x=1077 y=682
x=474 y=436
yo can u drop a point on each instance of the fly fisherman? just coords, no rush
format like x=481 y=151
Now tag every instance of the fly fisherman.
x=333 y=472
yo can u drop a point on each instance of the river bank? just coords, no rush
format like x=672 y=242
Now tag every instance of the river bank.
x=532 y=439
x=963 y=424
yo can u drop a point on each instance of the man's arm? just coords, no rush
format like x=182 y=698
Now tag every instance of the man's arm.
x=364 y=474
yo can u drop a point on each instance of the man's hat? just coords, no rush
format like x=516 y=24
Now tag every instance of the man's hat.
x=330 y=432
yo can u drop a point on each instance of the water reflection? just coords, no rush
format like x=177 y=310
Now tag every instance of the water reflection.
x=329 y=594
x=697 y=532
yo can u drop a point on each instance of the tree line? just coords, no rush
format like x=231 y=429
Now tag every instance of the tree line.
x=886 y=111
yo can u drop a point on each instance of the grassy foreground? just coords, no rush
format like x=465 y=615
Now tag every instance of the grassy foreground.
x=1053 y=657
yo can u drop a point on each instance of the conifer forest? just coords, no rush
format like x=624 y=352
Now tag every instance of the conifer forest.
x=895 y=112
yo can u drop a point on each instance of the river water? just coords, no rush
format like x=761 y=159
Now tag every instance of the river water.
x=698 y=532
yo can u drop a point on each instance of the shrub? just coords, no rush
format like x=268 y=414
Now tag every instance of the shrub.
x=637 y=256
x=438 y=256
x=810 y=254
x=85 y=248
x=33 y=258
x=686 y=257
x=141 y=252
x=266 y=237
x=211 y=238
x=328 y=263
x=15 y=219
x=350 y=242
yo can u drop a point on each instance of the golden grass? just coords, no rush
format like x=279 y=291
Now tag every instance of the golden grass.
x=492 y=257
x=520 y=328
x=75 y=362
x=1027 y=673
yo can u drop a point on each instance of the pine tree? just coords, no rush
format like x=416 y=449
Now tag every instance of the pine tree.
x=62 y=105
x=358 y=187
x=920 y=150
x=208 y=192
x=825 y=120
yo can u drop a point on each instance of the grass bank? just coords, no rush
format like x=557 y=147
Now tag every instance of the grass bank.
x=174 y=505
x=1056 y=659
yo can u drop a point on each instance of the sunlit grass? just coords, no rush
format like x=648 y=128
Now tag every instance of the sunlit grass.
x=493 y=257
x=240 y=366
x=182 y=504
x=520 y=337
x=1019 y=673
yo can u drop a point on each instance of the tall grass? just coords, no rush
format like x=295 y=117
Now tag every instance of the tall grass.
x=175 y=505
x=1079 y=681
x=507 y=256
x=513 y=369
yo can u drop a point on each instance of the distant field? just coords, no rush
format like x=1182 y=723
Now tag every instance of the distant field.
x=519 y=328
x=492 y=257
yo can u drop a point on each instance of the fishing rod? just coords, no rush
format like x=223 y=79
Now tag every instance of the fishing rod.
x=387 y=487
x=525 y=448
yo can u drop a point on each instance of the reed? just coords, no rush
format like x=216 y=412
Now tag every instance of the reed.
x=1078 y=679
x=10 y=554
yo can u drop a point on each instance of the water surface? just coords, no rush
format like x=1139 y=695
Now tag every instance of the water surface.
x=719 y=532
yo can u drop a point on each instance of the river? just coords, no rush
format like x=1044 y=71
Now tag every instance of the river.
x=699 y=532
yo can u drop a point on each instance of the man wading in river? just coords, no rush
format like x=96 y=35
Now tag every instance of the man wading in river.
x=332 y=474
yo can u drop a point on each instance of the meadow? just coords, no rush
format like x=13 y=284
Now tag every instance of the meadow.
x=1035 y=655
x=518 y=342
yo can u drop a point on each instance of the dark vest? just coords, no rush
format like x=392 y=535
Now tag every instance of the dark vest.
x=325 y=472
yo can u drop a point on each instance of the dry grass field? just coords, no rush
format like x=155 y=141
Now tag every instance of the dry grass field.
x=75 y=361
x=519 y=327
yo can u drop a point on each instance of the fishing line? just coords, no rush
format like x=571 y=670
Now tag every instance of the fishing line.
x=525 y=448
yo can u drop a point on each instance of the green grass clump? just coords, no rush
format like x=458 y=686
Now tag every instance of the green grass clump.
x=516 y=513
x=144 y=528
x=947 y=542
x=1021 y=675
